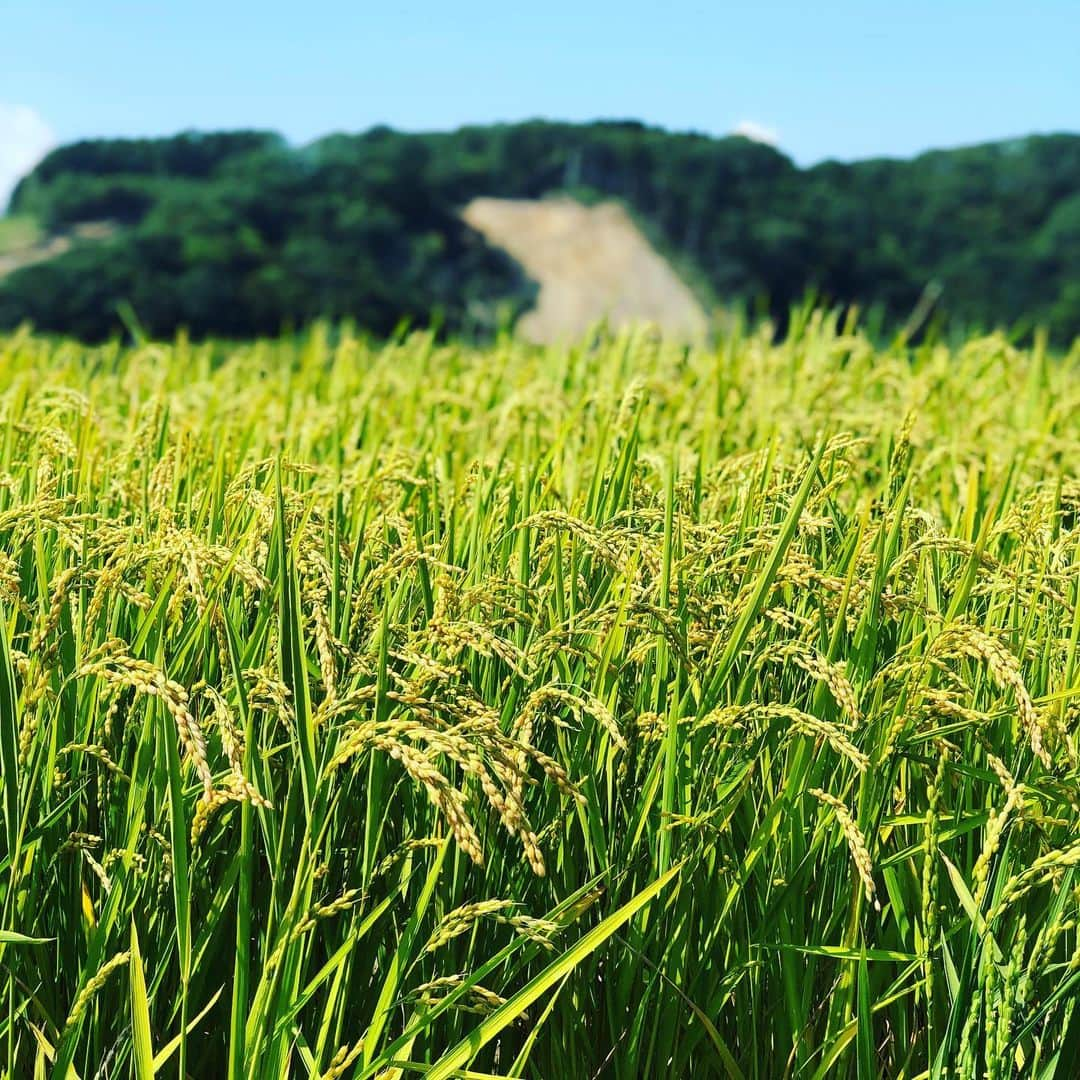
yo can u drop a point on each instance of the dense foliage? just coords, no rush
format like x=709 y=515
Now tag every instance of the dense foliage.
x=238 y=233
x=619 y=711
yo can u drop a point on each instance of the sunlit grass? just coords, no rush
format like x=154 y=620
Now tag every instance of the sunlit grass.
x=614 y=711
x=18 y=231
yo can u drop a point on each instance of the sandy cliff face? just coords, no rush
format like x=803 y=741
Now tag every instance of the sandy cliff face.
x=590 y=262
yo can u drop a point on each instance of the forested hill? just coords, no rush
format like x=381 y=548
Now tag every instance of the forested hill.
x=239 y=233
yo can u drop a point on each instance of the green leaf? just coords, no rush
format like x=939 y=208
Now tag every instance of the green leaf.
x=9 y=744
x=507 y=1013
x=10 y=937
x=140 y=1013
x=867 y=1059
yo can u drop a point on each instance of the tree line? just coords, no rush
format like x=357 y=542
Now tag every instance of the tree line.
x=239 y=233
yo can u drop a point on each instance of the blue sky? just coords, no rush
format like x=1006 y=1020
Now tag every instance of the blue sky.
x=830 y=79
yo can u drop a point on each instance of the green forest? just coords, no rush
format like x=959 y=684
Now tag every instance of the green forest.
x=240 y=234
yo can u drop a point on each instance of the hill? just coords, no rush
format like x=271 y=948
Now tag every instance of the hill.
x=238 y=233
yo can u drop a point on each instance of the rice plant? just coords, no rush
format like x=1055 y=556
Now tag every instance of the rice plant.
x=622 y=710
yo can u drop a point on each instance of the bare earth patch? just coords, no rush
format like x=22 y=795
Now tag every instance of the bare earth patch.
x=34 y=249
x=590 y=262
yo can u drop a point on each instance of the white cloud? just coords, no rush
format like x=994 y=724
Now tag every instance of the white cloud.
x=25 y=138
x=751 y=129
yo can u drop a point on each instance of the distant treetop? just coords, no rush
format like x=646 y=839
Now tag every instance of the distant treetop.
x=239 y=233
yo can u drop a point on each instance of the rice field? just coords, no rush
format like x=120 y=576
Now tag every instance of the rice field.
x=624 y=710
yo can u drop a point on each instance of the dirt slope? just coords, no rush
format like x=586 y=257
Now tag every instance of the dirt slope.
x=590 y=262
x=38 y=249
